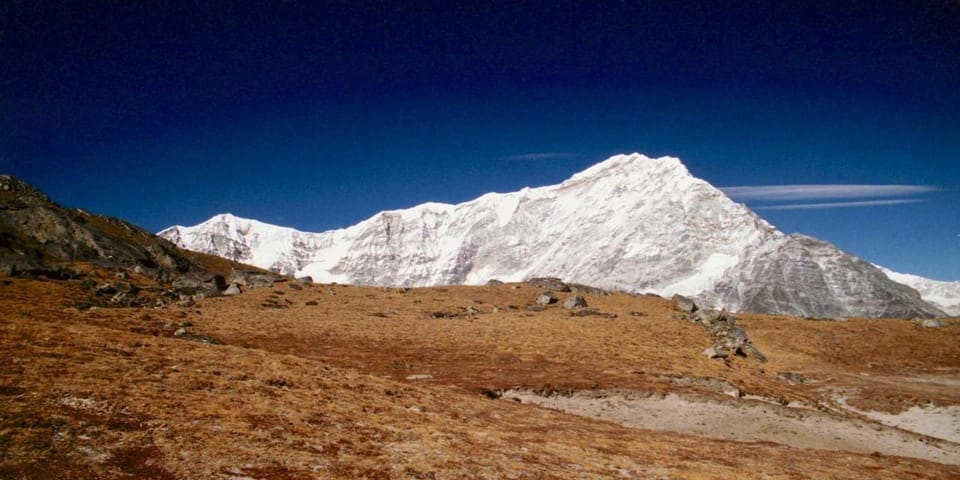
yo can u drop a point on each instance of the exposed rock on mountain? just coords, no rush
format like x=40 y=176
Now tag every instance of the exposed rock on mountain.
x=804 y=276
x=629 y=223
x=39 y=237
x=945 y=295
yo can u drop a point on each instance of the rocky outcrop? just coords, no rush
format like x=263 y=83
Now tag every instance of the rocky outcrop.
x=730 y=339
x=40 y=238
x=253 y=278
x=575 y=301
x=803 y=276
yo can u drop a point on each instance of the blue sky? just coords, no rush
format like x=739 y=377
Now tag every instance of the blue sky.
x=317 y=115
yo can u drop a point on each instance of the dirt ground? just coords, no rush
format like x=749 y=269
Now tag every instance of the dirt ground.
x=334 y=381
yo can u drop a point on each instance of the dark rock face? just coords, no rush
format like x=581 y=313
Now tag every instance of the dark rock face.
x=39 y=237
x=36 y=235
x=800 y=275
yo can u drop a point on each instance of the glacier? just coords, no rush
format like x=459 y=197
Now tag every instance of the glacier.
x=631 y=223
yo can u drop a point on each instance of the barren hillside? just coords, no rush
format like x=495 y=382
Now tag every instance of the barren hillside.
x=304 y=380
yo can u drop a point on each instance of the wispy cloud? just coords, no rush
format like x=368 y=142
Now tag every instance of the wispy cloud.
x=536 y=156
x=862 y=203
x=816 y=192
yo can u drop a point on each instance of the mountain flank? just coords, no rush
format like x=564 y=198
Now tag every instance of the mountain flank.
x=629 y=223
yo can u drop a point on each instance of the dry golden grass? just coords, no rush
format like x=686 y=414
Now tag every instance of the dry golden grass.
x=319 y=391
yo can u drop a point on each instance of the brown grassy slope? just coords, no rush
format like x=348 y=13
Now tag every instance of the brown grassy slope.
x=298 y=392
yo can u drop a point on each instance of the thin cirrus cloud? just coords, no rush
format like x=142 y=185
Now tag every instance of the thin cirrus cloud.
x=528 y=157
x=847 y=194
x=863 y=203
x=819 y=192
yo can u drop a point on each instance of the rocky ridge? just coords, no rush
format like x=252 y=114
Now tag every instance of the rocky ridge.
x=39 y=238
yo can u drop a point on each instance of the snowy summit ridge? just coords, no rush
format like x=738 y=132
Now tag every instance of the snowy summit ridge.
x=630 y=222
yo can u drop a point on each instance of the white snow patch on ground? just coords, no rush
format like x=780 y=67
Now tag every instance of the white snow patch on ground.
x=744 y=421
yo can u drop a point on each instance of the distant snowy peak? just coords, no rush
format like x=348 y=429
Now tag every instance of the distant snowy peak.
x=630 y=223
x=945 y=295
x=242 y=240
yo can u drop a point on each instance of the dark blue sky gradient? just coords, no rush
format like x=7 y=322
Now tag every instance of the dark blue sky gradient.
x=319 y=114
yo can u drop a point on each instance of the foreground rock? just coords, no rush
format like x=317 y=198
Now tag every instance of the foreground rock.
x=729 y=338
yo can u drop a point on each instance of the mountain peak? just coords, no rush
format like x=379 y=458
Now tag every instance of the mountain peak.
x=630 y=223
x=634 y=164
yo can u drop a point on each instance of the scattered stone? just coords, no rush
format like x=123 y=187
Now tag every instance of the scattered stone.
x=122 y=275
x=579 y=288
x=471 y=310
x=312 y=303
x=575 y=301
x=550 y=283
x=196 y=283
x=126 y=299
x=182 y=334
x=930 y=323
x=592 y=312
x=638 y=314
x=546 y=298
x=233 y=289
x=306 y=280
x=706 y=317
x=419 y=376
x=253 y=278
x=273 y=303
x=791 y=377
x=493 y=282
x=295 y=286
x=536 y=308
x=105 y=289
x=490 y=393
x=716 y=351
x=443 y=315
x=684 y=304
x=127 y=287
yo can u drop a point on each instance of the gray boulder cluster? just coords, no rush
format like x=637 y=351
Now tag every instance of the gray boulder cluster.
x=570 y=303
x=557 y=285
x=730 y=339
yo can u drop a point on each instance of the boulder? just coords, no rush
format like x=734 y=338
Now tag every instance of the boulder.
x=684 y=304
x=575 y=301
x=252 y=278
x=546 y=298
x=233 y=289
x=931 y=323
x=550 y=283
x=707 y=317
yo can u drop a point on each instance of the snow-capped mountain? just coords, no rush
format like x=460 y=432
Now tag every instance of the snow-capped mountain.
x=630 y=222
x=945 y=295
